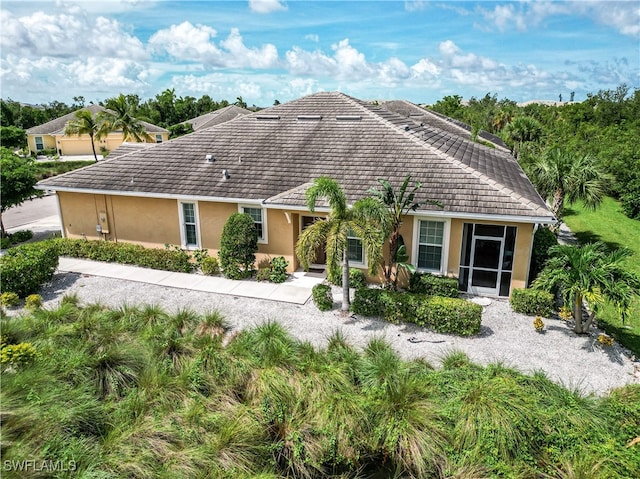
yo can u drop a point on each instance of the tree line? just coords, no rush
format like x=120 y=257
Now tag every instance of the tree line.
x=166 y=109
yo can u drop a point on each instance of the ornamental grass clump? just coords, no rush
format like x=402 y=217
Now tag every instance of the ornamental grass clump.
x=605 y=340
x=538 y=324
x=33 y=301
x=9 y=299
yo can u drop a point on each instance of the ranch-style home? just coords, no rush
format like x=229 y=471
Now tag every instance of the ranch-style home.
x=182 y=192
x=51 y=136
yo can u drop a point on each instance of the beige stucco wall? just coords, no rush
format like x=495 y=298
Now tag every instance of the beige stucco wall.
x=155 y=222
x=48 y=140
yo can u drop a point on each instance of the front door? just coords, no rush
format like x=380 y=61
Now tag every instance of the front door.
x=485 y=265
x=486 y=261
x=321 y=252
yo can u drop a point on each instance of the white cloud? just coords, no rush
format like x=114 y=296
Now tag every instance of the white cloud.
x=63 y=35
x=195 y=43
x=313 y=37
x=266 y=6
x=187 y=42
x=623 y=16
x=414 y=5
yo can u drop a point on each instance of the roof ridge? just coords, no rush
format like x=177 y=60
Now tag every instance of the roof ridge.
x=420 y=141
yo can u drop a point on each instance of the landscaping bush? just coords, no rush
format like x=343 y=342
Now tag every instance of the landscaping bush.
x=263 y=273
x=427 y=283
x=18 y=354
x=543 y=239
x=33 y=301
x=322 y=297
x=25 y=268
x=238 y=246
x=533 y=302
x=210 y=266
x=444 y=315
x=126 y=253
x=278 y=270
x=9 y=299
x=15 y=238
x=357 y=278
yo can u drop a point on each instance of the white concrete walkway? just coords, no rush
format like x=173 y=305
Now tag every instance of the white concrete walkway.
x=297 y=289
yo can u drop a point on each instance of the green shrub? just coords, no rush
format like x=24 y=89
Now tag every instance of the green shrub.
x=5 y=242
x=21 y=236
x=18 y=354
x=278 y=270
x=533 y=302
x=9 y=299
x=427 y=283
x=33 y=301
x=357 y=278
x=444 y=315
x=168 y=259
x=25 y=268
x=263 y=273
x=238 y=246
x=210 y=266
x=543 y=239
x=322 y=297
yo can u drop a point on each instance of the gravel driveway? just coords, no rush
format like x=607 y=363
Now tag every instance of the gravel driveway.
x=578 y=362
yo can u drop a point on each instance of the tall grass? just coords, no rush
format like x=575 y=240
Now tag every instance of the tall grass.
x=136 y=392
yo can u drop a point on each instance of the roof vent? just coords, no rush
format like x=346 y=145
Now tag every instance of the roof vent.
x=407 y=127
x=309 y=117
x=209 y=158
x=268 y=117
x=225 y=175
x=348 y=117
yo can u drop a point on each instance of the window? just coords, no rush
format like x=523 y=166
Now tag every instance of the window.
x=188 y=217
x=259 y=219
x=355 y=253
x=430 y=245
x=158 y=138
x=39 y=143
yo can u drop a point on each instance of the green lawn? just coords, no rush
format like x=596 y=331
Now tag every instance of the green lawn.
x=610 y=225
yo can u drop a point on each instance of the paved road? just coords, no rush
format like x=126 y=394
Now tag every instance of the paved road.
x=31 y=211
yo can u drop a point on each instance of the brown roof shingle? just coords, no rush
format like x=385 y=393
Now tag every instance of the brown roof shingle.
x=270 y=152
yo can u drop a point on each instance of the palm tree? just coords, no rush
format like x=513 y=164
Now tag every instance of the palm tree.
x=589 y=272
x=398 y=204
x=86 y=124
x=363 y=220
x=520 y=130
x=563 y=174
x=123 y=119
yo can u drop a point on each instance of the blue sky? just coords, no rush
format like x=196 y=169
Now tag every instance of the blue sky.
x=265 y=50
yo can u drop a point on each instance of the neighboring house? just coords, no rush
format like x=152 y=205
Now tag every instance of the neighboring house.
x=51 y=135
x=182 y=192
x=217 y=116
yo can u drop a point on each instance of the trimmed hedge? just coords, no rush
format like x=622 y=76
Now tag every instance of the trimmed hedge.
x=24 y=269
x=126 y=253
x=444 y=315
x=322 y=297
x=533 y=302
x=357 y=278
x=238 y=246
x=427 y=283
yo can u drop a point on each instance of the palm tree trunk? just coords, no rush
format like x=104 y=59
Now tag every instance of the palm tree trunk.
x=346 y=301
x=577 y=314
x=2 y=231
x=93 y=147
x=393 y=253
x=557 y=207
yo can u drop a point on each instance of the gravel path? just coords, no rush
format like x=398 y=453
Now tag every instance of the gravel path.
x=578 y=362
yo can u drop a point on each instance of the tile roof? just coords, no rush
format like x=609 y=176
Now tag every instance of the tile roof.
x=128 y=147
x=437 y=120
x=217 y=116
x=270 y=155
x=57 y=126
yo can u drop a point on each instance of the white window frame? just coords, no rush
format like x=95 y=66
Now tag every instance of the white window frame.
x=183 y=234
x=159 y=138
x=444 y=263
x=35 y=142
x=265 y=230
x=359 y=264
